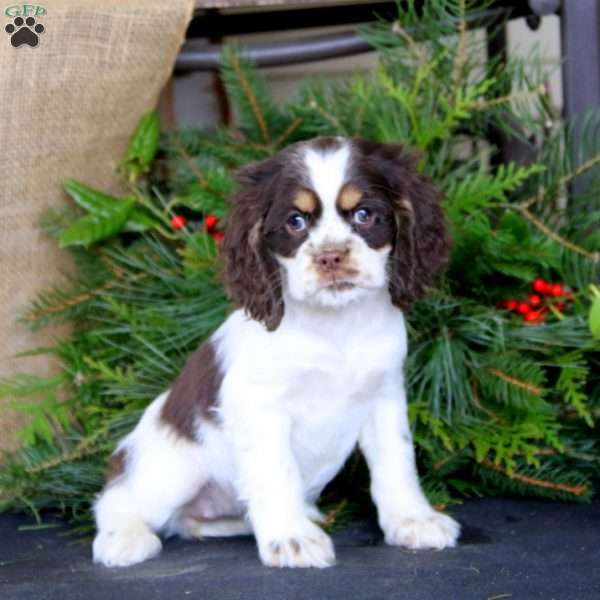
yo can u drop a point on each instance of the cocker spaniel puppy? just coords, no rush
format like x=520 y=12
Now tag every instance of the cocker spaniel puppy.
x=327 y=244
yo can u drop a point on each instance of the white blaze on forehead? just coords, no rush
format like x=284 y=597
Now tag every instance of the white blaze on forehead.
x=327 y=172
x=327 y=175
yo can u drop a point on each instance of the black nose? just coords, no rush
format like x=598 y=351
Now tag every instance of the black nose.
x=331 y=260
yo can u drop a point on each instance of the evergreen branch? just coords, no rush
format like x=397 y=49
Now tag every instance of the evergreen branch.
x=575 y=490
x=582 y=168
x=477 y=403
x=35 y=315
x=204 y=182
x=313 y=104
x=157 y=212
x=247 y=88
x=199 y=175
x=572 y=381
x=532 y=389
x=460 y=58
x=412 y=44
x=440 y=464
x=293 y=126
x=243 y=142
x=475 y=191
x=80 y=452
x=481 y=104
x=564 y=180
x=545 y=452
x=594 y=256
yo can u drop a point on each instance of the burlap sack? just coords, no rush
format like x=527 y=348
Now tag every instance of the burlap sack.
x=67 y=108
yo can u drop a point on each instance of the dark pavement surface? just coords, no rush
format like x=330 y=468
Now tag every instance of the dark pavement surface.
x=510 y=549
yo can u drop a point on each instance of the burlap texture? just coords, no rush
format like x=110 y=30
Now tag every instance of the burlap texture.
x=67 y=109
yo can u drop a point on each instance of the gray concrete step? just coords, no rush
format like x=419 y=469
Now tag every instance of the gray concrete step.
x=510 y=549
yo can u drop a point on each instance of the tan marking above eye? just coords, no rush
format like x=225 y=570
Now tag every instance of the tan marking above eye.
x=349 y=197
x=305 y=201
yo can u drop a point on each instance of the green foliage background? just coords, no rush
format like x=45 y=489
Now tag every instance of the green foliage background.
x=497 y=405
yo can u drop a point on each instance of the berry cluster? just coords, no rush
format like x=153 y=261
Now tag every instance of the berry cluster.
x=210 y=224
x=537 y=305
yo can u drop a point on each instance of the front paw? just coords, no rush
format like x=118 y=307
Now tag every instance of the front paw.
x=304 y=546
x=432 y=530
x=125 y=548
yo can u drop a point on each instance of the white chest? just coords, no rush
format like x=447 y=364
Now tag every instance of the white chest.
x=324 y=432
x=328 y=400
x=318 y=382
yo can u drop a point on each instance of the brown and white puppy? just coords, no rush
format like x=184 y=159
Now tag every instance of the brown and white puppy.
x=327 y=243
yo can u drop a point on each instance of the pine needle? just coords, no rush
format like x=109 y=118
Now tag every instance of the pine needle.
x=460 y=57
x=575 y=490
x=241 y=75
x=532 y=389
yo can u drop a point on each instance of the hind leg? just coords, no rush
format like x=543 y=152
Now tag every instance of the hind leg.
x=124 y=536
x=162 y=471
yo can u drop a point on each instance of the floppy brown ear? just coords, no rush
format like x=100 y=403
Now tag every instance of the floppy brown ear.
x=422 y=243
x=250 y=273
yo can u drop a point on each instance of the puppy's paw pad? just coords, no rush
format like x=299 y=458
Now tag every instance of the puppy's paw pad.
x=312 y=550
x=124 y=548
x=435 y=531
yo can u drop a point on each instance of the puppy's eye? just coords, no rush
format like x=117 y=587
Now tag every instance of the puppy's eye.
x=297 y=222
x=362 y=216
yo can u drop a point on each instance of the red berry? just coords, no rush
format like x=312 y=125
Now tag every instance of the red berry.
x=217 y=236
x=534 y=316
x=511 y=304
x=523 y=308
x=178 y=221
x=210 y=221
x=556 y=289
x=534 y=299
x=540 y=285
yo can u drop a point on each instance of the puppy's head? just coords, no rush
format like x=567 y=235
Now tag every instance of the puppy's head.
x=327 y=222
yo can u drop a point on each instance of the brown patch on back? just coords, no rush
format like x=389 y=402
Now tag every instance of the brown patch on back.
x=349 y=197
x=116 y=465
x=194 y=392
x=305 y=201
